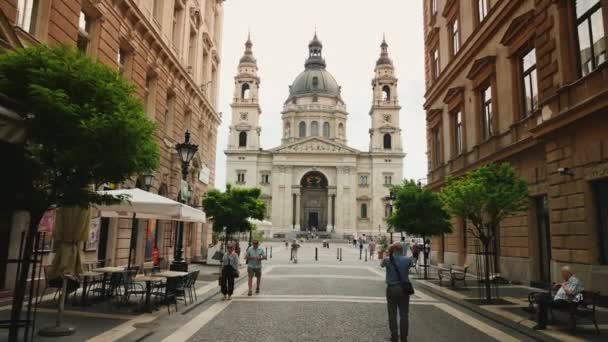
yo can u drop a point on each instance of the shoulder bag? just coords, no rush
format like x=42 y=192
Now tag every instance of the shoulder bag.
x=407 y=286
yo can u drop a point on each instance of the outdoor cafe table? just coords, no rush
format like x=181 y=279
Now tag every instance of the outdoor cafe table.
x=148 y=280
x=85 y=282
x=106 y=271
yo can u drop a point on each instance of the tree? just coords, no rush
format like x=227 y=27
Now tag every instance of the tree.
x=419 y=211
x=233 y=207
x=84 y=128
x=484 y=197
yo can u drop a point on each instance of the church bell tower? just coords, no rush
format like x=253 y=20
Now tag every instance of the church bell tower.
x=385 y=134
x=245 y=129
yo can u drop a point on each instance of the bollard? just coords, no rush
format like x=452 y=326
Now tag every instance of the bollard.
x=270 y=252
x=366 y=254
x=266 y=251
x=337 y=253
x=360 y=253
x=340 y=254
x=316 y=254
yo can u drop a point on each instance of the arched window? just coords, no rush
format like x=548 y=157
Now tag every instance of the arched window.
x=314 y=128
x=386 y=93
x=243 y=139
x=341 y=130
x=302 y=129
x=245 y=91
x=315 y=82
x=388 y=143
x=364 y=210
x=326 y=129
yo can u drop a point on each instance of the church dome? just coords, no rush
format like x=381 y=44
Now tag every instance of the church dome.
x=315 y=79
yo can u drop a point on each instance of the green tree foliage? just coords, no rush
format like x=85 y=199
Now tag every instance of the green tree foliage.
x=484 y=197
x=418 y=211
x=233 y=207
x=84 y=127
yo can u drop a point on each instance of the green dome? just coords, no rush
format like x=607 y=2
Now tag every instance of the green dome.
x=315 y=81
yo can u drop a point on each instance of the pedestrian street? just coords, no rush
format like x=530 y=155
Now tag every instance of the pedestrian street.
x=324 y=300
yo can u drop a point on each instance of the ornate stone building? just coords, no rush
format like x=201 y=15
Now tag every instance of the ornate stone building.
x=314 y=179
x=524 y=82
x=170 y=50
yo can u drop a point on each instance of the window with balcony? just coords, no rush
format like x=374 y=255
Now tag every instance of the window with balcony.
x=483 y=7
x=455 y=36
x=486 y=113
x=435 y=66
x=529 y=83
x=591 y=35
x=27 y=14
x=458 y=133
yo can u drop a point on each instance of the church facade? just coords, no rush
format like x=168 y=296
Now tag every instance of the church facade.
x=314 y=180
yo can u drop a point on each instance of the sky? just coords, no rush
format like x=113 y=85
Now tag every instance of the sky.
x=351 y=32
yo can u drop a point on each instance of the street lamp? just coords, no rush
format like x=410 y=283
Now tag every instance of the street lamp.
x=148 y=180
x=186 y=152
x=390 y=198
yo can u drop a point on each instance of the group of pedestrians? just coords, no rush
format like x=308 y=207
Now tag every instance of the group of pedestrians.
x=230 y=268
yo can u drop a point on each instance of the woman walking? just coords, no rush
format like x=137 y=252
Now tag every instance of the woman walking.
x=230 y=270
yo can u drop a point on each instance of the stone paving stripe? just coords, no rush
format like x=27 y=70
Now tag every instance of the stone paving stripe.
x=123 y=329
x=477 y=324
x=324 y=300
x=198 y=322
x=87 y=314
x=323 y=276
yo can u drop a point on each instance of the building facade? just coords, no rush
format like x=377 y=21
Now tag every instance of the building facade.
x=314 y=180
x=170 y=50
x=524 y=82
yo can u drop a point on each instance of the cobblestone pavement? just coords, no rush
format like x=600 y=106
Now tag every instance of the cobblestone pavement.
x=324 y=300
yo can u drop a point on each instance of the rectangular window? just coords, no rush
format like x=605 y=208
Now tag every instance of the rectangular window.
x=363 y=180
x=240 y=177
x=157 y=10
x=530 y=83
x=591 y=35
x=434 y=8
x=483 y=6
x=265 y=178
x=27 y=14
x=600 y=190
x=192 y=50
x=486 y=113
x=150 y=96
x=435 y=66
x=455 y=32
x=170 y=115
x=436 y=146
x=458 y=138
x=84 y=32
x=388 y=179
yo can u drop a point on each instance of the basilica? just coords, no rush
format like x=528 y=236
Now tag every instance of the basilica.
x=314 y=180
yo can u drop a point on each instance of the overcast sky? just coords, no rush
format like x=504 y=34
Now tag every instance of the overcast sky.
x=351 y=32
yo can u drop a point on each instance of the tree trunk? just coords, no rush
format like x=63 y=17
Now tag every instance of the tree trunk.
x=21 y=279
x=486 y=248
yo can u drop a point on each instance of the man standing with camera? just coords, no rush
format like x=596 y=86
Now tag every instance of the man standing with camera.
x=398 y=291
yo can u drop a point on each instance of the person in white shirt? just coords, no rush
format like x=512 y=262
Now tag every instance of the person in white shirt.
x=566 y=294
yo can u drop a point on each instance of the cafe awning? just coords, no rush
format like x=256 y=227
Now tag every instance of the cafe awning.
x=147 y=205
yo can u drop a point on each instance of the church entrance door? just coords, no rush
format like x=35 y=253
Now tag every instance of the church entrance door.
x=314 y=213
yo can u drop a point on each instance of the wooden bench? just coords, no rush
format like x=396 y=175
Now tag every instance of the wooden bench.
x=454 y=273
x=581 y=309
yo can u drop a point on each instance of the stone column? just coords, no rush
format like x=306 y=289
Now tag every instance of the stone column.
x=329 y=212
x=298 y=200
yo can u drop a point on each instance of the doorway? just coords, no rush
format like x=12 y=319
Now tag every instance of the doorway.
x=314 y=202
x=313 y=220
x=544 y=239
x=103 y=240
x=600 y=190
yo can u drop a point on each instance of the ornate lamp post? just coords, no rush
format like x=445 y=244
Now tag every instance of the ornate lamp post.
x=186 y=152
x=148 y=180
x=390 y=198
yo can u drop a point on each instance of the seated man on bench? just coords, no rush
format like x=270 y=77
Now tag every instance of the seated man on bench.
x=567 y=293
